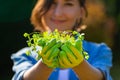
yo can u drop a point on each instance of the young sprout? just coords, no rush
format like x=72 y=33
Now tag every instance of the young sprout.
x=36 y=39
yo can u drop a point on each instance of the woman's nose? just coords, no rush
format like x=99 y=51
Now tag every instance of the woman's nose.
x=58 y=11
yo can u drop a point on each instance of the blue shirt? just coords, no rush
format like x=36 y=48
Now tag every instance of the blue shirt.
x=100 y=57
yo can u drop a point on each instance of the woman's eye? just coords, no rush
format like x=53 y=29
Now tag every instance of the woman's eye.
x=54 y=3
x=69 y=4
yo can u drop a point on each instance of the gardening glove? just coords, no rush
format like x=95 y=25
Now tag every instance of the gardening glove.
x=79 y=46
x=49 y=54
x=70 y=56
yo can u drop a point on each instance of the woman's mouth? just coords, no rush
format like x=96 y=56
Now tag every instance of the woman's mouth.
x=56 y=21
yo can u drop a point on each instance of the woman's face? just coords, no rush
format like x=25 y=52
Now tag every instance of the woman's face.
x=62 y=15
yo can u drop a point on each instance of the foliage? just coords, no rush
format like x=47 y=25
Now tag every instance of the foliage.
x=36 y=40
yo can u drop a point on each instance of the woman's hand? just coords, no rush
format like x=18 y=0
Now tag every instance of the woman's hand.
x=70 y=56
x=49 y=54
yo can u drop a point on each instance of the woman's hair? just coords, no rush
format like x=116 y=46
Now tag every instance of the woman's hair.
x=42 y=6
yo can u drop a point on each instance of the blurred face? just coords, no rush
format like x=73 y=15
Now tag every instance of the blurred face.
x=62 y=15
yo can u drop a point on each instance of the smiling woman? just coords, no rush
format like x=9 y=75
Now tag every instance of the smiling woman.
x=63 y=15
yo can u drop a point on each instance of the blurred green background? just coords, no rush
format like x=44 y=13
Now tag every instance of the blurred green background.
x=103 y=25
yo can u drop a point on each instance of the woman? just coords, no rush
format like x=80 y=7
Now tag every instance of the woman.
x=49 y=15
